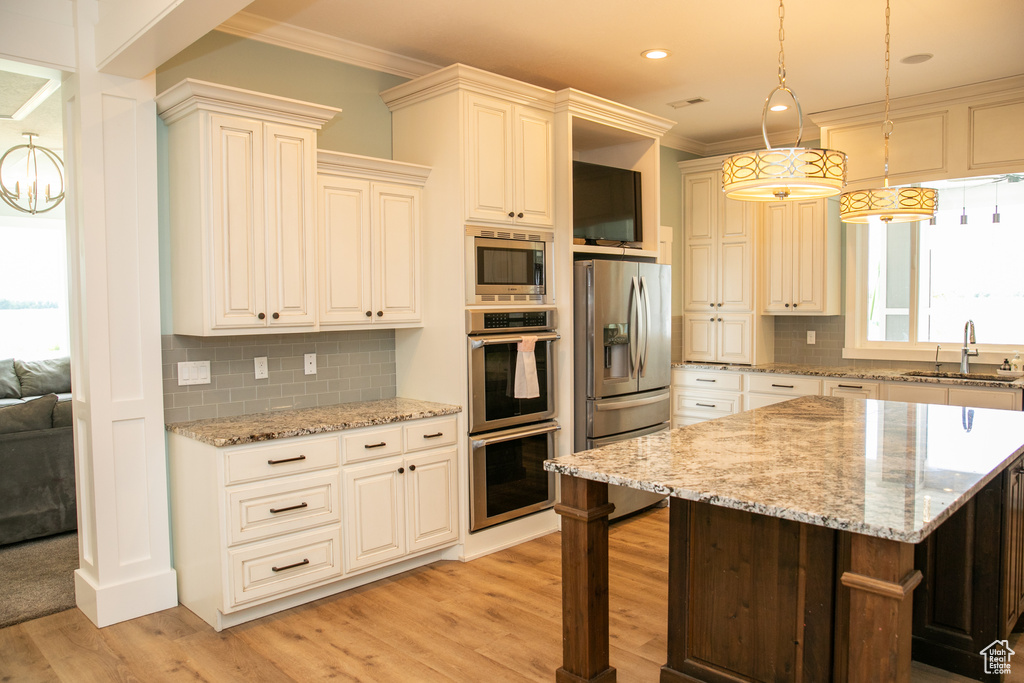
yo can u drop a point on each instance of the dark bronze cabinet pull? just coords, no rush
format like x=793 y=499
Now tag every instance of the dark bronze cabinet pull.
x=707 y=405
x=368 y=314
x=261 y=316
x=412 y=468
x=276 y=316
x=519 y=215
x=701 y=379
x=850 y=386
x=289 y=566
x=401 y=470
x=433 y=436
x=784 y=386
x=511 y=214
x=375 y=445
x=380 y=313
x=280 y=462
x=291 y=507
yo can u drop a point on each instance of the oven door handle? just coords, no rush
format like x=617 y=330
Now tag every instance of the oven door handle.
x=515 y=434
x=477 y=342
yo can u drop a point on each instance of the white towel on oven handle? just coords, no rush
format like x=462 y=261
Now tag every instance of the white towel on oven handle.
x=527 y=385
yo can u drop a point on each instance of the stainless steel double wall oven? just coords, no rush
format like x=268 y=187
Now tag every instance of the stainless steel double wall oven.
x=511 y=437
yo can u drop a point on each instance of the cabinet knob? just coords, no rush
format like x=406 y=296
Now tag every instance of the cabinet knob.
x=719 y=305
x=711 y=319
x=711 y=305
x=380 y=313
x=412 y=468
x=794 y=305
x=719 y=320
x=519 y=215
x=276 y=316
x=261 y=316
x=369 y=314
x=511 y=214
x=787 y=305
x=401 y=470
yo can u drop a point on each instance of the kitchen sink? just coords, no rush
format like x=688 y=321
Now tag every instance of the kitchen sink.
x=959 y=375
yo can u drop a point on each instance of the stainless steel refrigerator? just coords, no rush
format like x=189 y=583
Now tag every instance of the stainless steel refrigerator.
x=622 y=359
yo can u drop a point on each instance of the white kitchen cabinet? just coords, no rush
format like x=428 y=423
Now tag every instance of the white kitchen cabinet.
x=243 y=196
x=699 y=395
x=801 y=258
x=853 y=388
x=764 y=390
x=368 y=241
x=916 y=392
x=720 y=265
x=955 y=395
x=262 y=527
x=509 y=162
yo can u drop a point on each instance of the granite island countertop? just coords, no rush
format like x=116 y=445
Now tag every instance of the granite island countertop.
x=239 y=429
x=881 y=468
x=848 y=372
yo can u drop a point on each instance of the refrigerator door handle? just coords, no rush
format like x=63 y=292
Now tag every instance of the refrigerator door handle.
x=634 y=333
x=646 y=296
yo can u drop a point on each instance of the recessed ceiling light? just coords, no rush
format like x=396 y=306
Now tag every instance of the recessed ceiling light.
x=779 y=107
x=656 y=54
x=917 y=59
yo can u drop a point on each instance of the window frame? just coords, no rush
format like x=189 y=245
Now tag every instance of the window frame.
x=857 y=345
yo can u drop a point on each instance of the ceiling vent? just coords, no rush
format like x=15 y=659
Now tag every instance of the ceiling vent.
x=679 y=104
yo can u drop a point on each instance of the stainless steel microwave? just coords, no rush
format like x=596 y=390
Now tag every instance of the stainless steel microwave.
x=506 y=266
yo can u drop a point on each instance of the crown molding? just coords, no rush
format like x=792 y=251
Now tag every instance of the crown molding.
x=611 y=113
x=463 y=77
x=343 y=164
x=684 y=144
x=246 y=25
x=189 y=95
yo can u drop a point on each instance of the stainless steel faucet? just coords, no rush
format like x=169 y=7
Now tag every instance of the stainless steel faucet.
x=966 y=352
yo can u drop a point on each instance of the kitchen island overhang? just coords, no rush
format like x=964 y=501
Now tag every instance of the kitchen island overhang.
x=849 y=481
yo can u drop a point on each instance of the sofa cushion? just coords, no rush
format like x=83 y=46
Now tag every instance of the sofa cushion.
x=10 y=387
x=38 y=377
x=62 y=414
x=28 y=416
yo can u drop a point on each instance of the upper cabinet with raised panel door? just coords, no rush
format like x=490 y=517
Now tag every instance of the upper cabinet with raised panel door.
x=509 y=162
x=801 y=258
x=368 y=241
x=243 y=209
x=722 y=320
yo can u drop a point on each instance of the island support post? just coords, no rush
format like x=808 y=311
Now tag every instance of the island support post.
x=584 y=508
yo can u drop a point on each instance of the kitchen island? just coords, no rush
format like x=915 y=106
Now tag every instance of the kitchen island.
x=792 y=534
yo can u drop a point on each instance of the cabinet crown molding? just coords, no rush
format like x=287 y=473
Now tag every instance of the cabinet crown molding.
x=461 y=77
x=372 y=168
x=600 y=110
x=190 y=95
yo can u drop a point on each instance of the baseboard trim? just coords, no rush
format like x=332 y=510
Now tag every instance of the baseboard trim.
x=117 y=602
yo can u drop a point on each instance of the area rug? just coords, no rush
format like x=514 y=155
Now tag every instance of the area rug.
x=37 y=578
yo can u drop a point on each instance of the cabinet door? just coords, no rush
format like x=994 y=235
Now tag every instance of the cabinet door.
x=238 y=269
x=1013 y=546
x=396 y=253
x=808 y=283
x=431 y=488
x=736 y=256
x=699 y=337
x=699 y=276
x=290 y=182
x=977 y=397
x=344 y=251
x=915 y=393
x=735 y=338
x=702 y=194
x=778 y=259
x=534 y=165
x=374 y=505
x=489 y=160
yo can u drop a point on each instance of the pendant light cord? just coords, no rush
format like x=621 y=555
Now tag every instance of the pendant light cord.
x=782 y=50
x=887 y=124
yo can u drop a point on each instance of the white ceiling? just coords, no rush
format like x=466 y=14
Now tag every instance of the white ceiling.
x=723 y=50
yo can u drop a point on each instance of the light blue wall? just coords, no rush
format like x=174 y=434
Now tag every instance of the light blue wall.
x=363 y=126
x=672 y=215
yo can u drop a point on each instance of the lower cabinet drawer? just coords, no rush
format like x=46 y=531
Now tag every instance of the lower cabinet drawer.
x=283 y=457
x=851 y=387
x=784 y=384
x=257 y=512
x=277 y=567
x=423 y=434
x=369 y=444
x=685 y=403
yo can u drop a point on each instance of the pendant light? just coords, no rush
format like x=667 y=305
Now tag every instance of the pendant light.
x=888 y=204
x=963 y=215
x=995 y=216
x=783 y=173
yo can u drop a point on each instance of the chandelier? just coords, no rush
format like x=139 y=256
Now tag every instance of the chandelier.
x=787 y=172
x=889 y=204
x=28 y=170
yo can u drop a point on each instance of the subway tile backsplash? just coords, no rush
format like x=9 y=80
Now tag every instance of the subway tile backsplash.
x=351 y=366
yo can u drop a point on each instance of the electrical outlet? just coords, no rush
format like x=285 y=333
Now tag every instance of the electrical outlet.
x=309 y=363
x=194 y=372
x=261 y=367
x=810 y=336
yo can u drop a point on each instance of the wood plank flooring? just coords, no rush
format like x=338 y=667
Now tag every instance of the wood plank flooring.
x=497 y=618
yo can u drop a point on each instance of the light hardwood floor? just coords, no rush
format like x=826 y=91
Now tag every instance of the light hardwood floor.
x=495 y=619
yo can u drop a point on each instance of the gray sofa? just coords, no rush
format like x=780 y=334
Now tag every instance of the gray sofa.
x=37 y=455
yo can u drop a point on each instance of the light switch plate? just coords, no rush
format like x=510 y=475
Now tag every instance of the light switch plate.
x=309 y=363
x=193 y=372
x=260 y=363
x=810 y=336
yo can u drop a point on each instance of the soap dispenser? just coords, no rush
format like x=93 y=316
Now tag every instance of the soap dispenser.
x=1005 y=367
x=1015 y=364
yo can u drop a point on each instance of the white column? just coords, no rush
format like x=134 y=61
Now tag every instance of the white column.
x=124 y=544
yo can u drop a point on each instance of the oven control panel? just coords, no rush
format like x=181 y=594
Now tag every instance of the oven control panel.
x=482 y=321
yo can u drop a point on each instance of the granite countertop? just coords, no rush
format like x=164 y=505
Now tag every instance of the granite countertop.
x=886 y=374
x=881 y=468
x=230 y=431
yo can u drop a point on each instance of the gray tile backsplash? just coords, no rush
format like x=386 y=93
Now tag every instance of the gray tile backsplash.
x=351 y=366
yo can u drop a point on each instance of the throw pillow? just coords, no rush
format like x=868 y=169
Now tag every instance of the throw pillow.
x=62 y=414
x=38 y=377
x=10 y=387
x=28 y=416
